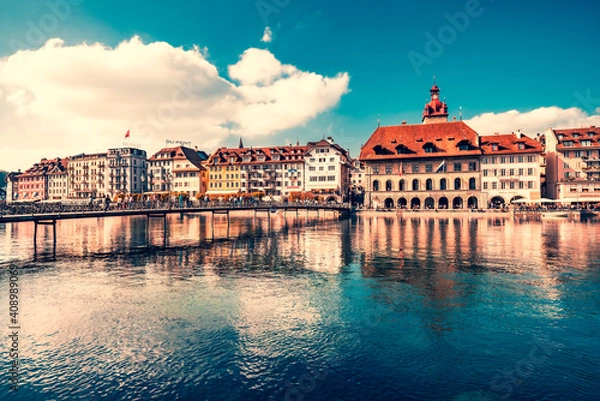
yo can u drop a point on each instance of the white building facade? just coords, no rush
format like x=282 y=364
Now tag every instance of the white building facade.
x=327 y=170
x=510 y=169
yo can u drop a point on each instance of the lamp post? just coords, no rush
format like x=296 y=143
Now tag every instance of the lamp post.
x=143 y=179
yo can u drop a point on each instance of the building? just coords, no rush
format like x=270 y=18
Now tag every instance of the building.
x=327 y=167
x=224 y=171
x=58 y=180
x=510 y=168
x=434 y=165
x=276 y=171
x=188 y=171
x=125 y=172
x=87 y=175
x=357 y=182
x=573 y=164
x=40 y=182
x=12 y=186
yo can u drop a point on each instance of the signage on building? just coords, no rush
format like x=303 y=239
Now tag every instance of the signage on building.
x=178 y=142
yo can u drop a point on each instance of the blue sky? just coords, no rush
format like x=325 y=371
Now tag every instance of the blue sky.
x=505 y=55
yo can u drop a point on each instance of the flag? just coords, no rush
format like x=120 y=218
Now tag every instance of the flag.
x=401 y=170
x=127 y=134
x=441 y=167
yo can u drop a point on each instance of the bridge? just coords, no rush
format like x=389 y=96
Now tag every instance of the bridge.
x=42 y=214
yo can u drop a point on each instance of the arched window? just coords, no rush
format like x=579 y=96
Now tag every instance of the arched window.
x=429 y=185
x=457 y=183
x=443 y=184
x=472 y=183
x=388 y=185
x=401 y=186
x=375 y=185
x=415 y=185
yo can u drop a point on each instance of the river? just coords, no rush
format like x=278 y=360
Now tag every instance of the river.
x=377 y=307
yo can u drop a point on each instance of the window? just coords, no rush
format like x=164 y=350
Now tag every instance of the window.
x=428 y=168
x=429 y=185
x=332 y=159
x=457 y=167
x=529 y=171
x=472 y=184
x=494 y=185
x=503 y=172
x=485 y=185
x=376 y=170
x=521 y=185
x=401 y=185
x=415 y=168
x=388 y=169
x=512 y=185
x=484 y=160
x=521 y=146
x=493 y=159
x=457 y=183
x=331 y=178
x=511 y=172
x=472 y=166
x=388 y=185
x=429 y=147
x=520 y=159
x=443 y=184
x=485 y=173
x=415 y=185
x=494 y=146
x=502 y=185
x=530 y=159
x=375 y=185
x=502 y=159
x=331 y=168
x=521 y=171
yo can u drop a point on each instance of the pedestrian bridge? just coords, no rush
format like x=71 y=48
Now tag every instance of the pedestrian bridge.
x=49 y=214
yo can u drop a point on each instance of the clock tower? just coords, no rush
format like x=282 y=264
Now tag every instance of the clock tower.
x=435 y=111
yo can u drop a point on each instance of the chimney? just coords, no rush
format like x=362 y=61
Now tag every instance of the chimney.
x=453 y=118
x=403 y=122
x=329 y=139
x=496 y=133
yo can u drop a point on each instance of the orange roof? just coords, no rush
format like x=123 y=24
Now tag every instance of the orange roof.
x=509 y=144
x=421 y=140
x=223 y=155
x=574 y=136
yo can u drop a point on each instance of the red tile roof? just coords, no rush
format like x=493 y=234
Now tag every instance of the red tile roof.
x=574 y=136
x=410 y=141
x=509 y=144
x=223 y=155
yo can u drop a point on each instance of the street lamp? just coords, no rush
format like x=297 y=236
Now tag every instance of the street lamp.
x=143 y=179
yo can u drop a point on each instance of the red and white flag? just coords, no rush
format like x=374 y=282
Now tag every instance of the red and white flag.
x=127 y=134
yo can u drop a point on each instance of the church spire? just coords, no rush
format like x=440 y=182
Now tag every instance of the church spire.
x=241 y=145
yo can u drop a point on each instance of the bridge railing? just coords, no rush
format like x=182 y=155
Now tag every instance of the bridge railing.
x=12 y=209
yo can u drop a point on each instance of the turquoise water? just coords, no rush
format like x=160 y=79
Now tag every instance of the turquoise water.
x=374 y=308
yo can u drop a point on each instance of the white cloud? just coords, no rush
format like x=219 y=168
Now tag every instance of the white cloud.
x=62 y=100
x=267 y=35
x=532 y=122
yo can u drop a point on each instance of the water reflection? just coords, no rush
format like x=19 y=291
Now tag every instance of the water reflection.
x=384 y=306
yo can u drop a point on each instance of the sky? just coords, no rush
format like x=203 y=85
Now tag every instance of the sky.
x=76 y=75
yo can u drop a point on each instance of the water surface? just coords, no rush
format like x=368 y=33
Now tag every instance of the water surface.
x=306 y=308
